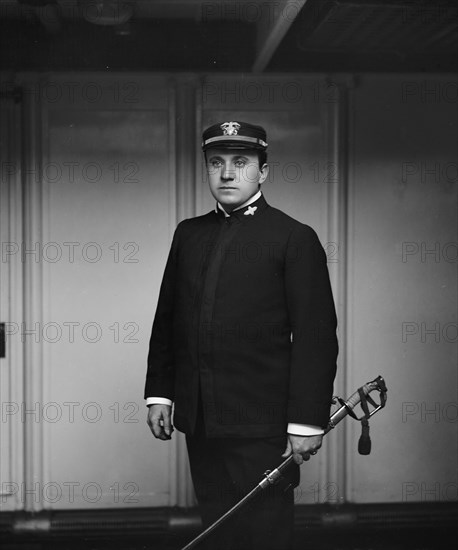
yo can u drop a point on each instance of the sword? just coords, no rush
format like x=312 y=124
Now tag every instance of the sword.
x=360 y=396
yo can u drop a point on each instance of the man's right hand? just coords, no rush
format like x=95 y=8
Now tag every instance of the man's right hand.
x=160 y=421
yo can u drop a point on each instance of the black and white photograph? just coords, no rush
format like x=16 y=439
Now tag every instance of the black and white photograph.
x=229 y=274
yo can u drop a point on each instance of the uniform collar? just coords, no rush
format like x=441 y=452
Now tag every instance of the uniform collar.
x=248 y=209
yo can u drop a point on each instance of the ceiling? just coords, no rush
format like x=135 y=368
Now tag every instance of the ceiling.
x=229 y=35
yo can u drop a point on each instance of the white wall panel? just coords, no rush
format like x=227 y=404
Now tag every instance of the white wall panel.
x=107 y=190
x=402 y=300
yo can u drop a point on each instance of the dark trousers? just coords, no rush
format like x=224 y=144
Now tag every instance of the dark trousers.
x=225 y=469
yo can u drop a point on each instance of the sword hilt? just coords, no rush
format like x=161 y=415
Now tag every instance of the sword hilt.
x=347 y=405
x=272 y=477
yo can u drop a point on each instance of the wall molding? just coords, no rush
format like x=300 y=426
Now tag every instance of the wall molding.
x=11 y=302
x=335 y=128
x=182 y=131
x=32 y=160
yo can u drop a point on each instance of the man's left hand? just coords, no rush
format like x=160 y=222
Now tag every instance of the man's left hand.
x=301 y=447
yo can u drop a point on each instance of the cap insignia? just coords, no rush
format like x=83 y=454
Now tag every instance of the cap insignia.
x=230 y=128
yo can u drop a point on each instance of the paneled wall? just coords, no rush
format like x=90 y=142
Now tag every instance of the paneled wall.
x=118 y=206
x=112 y=163
x=402 y=284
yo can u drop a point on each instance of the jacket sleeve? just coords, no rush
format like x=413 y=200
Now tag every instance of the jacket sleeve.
x=313 y=327
x=160 y=374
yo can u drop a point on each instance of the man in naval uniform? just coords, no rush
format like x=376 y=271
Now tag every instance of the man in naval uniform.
x=243 y=344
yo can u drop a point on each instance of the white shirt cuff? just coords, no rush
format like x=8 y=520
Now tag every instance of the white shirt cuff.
x=158 y=401
x=304 y=429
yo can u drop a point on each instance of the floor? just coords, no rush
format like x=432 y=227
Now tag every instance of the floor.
x=406 y=539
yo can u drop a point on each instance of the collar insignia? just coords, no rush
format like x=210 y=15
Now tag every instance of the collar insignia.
x=250 y=211
x=230 y=128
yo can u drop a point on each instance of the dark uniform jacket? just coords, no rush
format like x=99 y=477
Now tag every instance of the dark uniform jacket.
x=245 y=322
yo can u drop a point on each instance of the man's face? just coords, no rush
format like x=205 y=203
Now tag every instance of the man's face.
x=234 y=175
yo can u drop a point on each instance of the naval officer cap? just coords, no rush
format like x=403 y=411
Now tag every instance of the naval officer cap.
x=234 y=135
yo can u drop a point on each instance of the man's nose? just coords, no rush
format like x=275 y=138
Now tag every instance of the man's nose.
x=227 y=173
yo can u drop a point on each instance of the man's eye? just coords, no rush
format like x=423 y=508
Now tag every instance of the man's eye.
x=240 y=163
x=216 y=163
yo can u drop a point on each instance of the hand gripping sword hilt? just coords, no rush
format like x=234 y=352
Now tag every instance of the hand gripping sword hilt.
x=272 y=477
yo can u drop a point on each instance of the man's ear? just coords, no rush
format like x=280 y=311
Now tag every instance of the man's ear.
x=264 y=170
